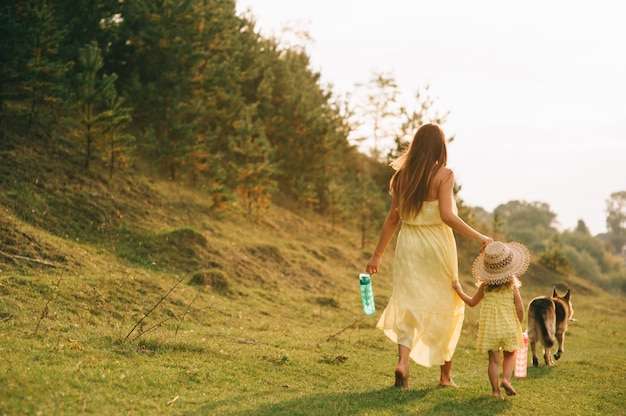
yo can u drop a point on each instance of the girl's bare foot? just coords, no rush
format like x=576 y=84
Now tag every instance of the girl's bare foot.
x=510 y=391
x=402 y=377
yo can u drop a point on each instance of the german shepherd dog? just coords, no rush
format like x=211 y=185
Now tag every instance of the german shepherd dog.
x=547 y=320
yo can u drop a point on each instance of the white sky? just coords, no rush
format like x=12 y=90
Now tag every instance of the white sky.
x=536 y=89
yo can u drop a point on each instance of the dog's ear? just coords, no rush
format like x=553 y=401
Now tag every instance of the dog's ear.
x=554 y=294
x=566 y=296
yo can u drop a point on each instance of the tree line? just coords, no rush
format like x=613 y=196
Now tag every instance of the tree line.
x=194 y=93
x=189 y=88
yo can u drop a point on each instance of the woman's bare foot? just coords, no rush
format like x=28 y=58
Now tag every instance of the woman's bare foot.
x=445 y=378
x=402 y=377
x=510 y=391
x=496 y=394
x=447 y=383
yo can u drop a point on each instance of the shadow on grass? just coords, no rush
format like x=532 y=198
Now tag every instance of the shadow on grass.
x=391 y=400
x=538 y=372
x=483 y=405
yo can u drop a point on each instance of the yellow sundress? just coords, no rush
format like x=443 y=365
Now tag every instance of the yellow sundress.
x=424 y=313
x=498 y=327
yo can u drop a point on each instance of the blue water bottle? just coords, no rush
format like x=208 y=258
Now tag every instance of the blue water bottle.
x=367 y=294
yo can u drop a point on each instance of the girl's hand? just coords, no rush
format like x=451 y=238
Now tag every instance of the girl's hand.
x=456 y=285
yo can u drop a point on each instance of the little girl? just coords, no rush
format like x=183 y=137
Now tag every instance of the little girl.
x=496 y=270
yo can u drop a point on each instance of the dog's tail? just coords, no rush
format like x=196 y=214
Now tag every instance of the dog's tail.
x=544 y=312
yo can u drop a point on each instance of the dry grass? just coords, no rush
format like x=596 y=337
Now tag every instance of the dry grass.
x=133 y=297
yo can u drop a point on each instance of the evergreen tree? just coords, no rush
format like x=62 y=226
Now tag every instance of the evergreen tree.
x=229 y=53
x=120 y=143
x=252 y=163
x=91 y=93
x=162 y=39
x=13 y=52
x=31 y=69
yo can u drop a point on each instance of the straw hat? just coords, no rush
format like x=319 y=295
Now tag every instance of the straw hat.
x=499 y=262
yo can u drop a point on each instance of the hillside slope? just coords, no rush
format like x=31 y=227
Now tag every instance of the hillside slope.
x=132 y=296
x=56 y=218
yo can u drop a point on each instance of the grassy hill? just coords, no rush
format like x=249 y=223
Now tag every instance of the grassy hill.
x=132 y=296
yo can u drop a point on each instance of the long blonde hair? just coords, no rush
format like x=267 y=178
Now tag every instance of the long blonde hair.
x=416 y=168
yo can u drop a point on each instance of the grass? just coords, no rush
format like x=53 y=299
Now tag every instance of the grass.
x=243 y=318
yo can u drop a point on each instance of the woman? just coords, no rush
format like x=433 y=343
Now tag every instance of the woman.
x=424 y=315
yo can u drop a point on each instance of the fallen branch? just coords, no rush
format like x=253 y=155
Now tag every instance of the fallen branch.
x=352 y=325
x=16 y=256
x=152 y=327
x=152 y=310
x=180 y=321
x=245 y=341
x=44 y=312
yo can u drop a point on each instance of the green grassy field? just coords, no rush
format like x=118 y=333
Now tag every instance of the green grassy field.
x=134 y=298
x=283 y=333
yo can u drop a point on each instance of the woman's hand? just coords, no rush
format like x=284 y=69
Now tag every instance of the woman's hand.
x=484 y=242
x=373 y=264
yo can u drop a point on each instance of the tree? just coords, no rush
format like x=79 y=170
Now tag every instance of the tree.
x=530 y=223
x=30 y=68
x=554 y=258
x=119 y=143
x=423 y=111
x=165 y=55
x=616 y=220
x=303 y=127
x=585 y=242
x=13 y=52
x=252 y=163
x=379 y=112
x=581 y=227
x=91 y=93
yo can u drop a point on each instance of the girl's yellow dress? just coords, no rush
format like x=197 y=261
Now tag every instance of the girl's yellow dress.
x=424 y=313
x=499 y=328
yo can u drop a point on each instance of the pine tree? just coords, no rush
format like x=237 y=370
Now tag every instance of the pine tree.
x=13 y=53
x=120 y=143
x=30 y=70
x=252 y=163
x=45 y=80
x=91 y=93
x=165 y=52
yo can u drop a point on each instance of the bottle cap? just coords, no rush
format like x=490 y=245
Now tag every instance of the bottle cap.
x=364 y=278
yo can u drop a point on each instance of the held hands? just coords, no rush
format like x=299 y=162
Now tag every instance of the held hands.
x=484 y=242
x=456 y=285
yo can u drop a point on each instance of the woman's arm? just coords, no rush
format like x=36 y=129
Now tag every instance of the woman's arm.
x=449 y=216
x=470 y=301
x=519 y=304
x=386 y=234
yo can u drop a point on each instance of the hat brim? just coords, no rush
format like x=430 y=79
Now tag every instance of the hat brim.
x=518 y=266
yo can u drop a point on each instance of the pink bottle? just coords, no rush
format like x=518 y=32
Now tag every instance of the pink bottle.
x=521 y=358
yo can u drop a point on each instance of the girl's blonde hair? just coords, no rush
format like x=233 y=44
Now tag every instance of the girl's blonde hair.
x=416 y=168
x=513 y=281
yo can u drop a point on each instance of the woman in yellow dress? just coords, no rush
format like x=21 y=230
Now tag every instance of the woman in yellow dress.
x=424 y=316
x=502 y=310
